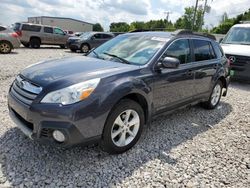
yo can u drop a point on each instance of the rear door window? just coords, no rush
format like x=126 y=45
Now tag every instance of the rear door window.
x=48 y=30
x=203 y=50
x=34 y=28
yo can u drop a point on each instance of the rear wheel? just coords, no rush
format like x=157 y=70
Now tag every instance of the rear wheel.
x=35 y=43
x=85 y=48
x=5 y=47
x=215 y=96
x=123 y=127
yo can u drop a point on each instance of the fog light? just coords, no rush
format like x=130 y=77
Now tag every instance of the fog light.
x=58 y=136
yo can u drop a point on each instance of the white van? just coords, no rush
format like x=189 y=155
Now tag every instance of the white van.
x=236 y=46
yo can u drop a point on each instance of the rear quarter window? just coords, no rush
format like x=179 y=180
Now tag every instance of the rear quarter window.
x=34 y=28
x=218 y=50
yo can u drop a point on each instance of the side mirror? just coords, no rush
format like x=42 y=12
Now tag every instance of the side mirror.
x=221 y=39
x=170 y=62
x=93 y=38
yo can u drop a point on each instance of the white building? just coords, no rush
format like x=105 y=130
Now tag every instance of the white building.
x=68 y=24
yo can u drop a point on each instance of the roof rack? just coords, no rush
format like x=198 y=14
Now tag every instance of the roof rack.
x=245 y=22
x=189 y=32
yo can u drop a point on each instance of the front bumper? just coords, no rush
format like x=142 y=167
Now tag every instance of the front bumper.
x=79 y=123
x=73 y=45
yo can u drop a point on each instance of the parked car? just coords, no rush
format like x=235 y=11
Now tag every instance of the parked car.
x=8 y=40
x=236 y=46
x=110 y=95
x=35 y=35
x=88 y=40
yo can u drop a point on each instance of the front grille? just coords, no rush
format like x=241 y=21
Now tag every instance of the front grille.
x=239 y=60
x=24 y=91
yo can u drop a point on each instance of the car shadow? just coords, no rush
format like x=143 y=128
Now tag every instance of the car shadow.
x=25 y=161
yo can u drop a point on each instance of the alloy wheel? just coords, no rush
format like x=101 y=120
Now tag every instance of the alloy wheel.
x=125 y=128
x=215 y=97
x=4 y=48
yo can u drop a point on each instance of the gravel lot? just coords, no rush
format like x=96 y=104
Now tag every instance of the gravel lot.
x=190 y=148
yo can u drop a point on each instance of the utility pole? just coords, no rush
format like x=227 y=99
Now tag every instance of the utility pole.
x=204 y=11
x=167 y=13
x=195 y=10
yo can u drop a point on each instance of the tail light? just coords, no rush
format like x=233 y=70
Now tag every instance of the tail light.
x=19 y=33
x=14 y=35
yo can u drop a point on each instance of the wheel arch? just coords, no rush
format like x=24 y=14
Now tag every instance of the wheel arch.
x=35 y=37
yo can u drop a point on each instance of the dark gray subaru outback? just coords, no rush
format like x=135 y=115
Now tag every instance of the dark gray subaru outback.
x=108 y=96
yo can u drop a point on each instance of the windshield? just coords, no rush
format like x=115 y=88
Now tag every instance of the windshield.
x=86 y=35
x=133 y=49
x=238 y=35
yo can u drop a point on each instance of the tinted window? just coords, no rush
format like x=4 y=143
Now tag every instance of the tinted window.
x=203 y=50
x=58 y=31
x=98 y=36
x=48 y=29
x=105 y=36
x=179 y=49
x=16 y=27
x=2 y=28
x=34 y=28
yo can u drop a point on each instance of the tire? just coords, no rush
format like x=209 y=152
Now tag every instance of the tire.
x=62 y=46
x=115 y=130
x=73 y=50
x=85 y=48
x=35 y=43
x=215 y=96
x=27 y=45
x=5 y=47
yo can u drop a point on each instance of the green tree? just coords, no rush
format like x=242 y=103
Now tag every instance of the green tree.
x=185 y=22
x=97 y=27
x=119 y=27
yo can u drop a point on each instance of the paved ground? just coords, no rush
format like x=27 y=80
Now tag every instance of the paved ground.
x=190 y=148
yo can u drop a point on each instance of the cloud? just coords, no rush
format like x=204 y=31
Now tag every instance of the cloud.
x=107 y=11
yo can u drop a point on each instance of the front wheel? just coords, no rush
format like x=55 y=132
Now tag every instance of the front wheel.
x=85 y=48
x=123 y=127
x=215 y=96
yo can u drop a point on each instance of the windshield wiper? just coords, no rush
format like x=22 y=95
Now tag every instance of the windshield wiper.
x=120 y=58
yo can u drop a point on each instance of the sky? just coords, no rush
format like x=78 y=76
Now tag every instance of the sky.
x=108 y=11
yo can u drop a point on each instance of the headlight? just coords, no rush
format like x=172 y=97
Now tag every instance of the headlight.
x=72 y=94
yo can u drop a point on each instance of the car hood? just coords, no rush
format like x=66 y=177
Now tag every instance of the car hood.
x=73 y=70
x=236 y=49
x=73 y=38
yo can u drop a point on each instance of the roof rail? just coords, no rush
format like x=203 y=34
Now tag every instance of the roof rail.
x=189 y=32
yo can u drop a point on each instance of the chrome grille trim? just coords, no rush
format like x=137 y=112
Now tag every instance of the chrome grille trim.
x=26 y=85
x=24 y=91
